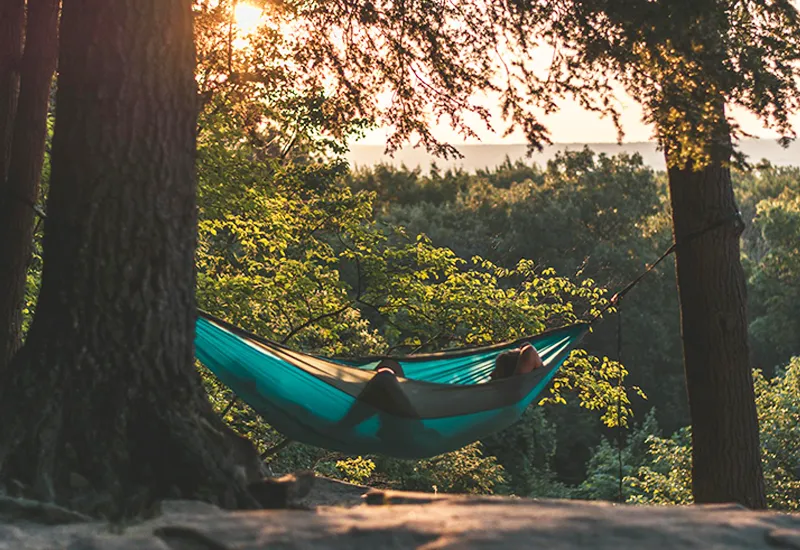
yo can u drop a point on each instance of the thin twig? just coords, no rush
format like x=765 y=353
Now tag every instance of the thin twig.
x=315 y=320
x=230 y=405
x=275 y=449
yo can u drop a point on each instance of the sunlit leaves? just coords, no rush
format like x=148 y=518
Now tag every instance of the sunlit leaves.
x=599 y=384
x=686 y=61
x=668 y=477
x=356 y=470
x=268 y=257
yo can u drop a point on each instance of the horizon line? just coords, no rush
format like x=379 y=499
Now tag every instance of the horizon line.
x=524 y=144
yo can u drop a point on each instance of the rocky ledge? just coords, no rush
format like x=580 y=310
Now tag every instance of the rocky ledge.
x=337 y=515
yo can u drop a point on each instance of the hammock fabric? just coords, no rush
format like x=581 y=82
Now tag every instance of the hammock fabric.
x=446 y=400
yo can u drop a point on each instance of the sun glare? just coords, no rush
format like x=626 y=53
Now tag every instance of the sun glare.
x=248 y=17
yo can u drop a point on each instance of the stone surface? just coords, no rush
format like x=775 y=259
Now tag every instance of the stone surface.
x=332 y=492
x=282 y=492
x=41 y=512
x=10 y=537
x=495 y=523
x=186 y=507
x=785 y=538
x=111 y=542
x=424 y=521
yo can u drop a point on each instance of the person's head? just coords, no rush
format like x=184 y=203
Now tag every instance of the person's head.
x=391 y=365
x=505 y=364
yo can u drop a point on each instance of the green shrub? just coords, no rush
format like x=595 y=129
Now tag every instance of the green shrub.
x=667 y=478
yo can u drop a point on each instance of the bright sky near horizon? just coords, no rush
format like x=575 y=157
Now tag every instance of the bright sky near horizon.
x=572 y=124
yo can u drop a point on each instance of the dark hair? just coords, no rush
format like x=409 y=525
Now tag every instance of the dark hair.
x=392 y=365
x=505 y=364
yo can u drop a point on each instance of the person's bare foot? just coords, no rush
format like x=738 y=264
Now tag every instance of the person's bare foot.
x=529 y=360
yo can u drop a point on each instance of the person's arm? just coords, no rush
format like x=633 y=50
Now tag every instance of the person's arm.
x=528 y=360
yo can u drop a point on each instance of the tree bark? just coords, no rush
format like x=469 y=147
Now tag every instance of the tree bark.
x=114 y=415
x=21 y=186
x=711 y=285
x=12 y=17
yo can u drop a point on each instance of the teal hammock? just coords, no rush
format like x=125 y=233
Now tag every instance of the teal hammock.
x=447 y=400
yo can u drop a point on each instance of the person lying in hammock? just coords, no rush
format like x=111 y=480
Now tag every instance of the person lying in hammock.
x=521 y=360
x=384 y=392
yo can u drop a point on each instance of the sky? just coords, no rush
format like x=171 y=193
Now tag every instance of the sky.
x=572 y=124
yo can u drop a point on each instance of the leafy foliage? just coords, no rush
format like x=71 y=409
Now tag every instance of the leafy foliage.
x=551 y=214
x=526 y=452
x=466 y=470
x=603 y=475
x=289 y=251
x=260 y=265
x=667 y=478
x=778 y=402
x=356 y=470
x=775 y=273
x=596 y=216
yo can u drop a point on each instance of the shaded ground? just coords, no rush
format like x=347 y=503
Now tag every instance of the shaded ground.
x=337 y=517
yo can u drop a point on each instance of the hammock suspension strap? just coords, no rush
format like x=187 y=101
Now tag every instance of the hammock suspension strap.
x=27 y=202
x=619 y=402
x=616 y=298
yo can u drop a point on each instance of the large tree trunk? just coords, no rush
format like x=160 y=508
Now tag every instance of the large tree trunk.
x=21 y=187
x=711 y=284
x=12 y=16
x=103 y=409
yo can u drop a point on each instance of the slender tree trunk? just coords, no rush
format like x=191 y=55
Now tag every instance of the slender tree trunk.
x=711 y=284
x=114 y=415
x=12 y=17
x=21 y=186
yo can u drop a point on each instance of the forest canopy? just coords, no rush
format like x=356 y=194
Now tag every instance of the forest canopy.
x=247 y=210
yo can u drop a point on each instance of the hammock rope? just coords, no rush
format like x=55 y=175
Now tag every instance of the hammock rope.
x=619 y=402
x=682 y=241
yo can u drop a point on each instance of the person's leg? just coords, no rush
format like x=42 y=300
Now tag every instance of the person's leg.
x=528 y=360
x=381 y=394
x=385 y=393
